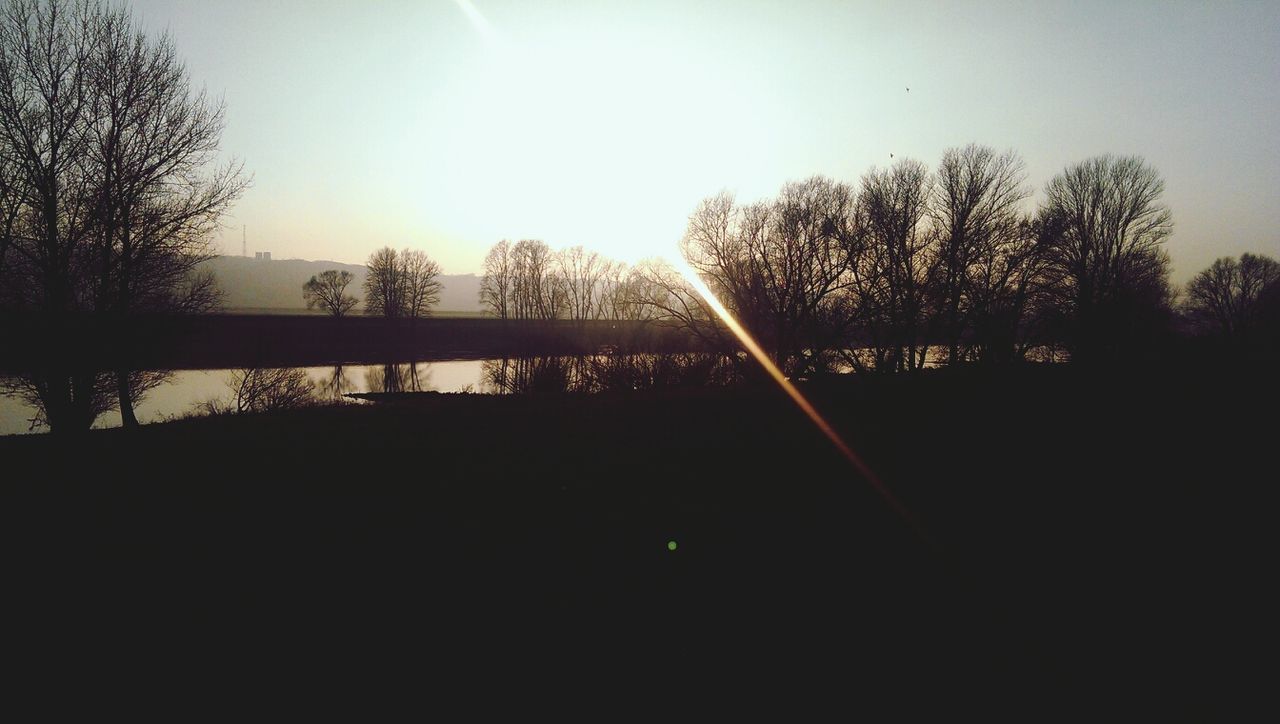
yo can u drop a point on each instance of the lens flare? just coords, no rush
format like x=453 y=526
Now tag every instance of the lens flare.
x=796 y=396
x=486 y=31
x=478 y=20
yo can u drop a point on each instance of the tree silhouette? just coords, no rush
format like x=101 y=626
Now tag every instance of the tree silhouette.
x=894 y=261
x=327 y=291
x=537 y=290
x=779 y=266
x=109 y=196
x=666 y=295
x=92 y=394
x=1103 y=230
x=583 y=277
x=976 y=209
x=496 y=284
x=422 y=288
x=401 y=284
x=1227 y=297
x=264 y=390
x=528 y=280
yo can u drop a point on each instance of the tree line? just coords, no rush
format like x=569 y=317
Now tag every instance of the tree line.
x=530 y=280
x=911 y=266
x=398 y=284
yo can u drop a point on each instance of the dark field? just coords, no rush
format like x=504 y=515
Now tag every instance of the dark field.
x=1095 y=553
x=282 y=340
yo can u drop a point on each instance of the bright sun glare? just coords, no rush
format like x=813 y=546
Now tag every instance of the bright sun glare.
x=605 y=138
x=592 y=127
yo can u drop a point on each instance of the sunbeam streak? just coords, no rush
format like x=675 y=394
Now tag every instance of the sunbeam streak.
x=478 y=19
x=809 y=410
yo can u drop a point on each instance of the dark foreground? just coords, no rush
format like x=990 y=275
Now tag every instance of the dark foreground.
x=1094 y=555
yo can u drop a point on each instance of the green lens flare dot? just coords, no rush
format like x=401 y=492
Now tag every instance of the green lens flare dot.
x=671 y=545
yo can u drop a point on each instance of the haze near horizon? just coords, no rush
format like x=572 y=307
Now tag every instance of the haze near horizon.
x=447 y=125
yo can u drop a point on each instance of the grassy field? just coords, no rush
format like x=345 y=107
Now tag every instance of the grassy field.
x=1090 y=552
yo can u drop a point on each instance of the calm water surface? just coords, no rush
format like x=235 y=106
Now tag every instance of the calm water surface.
x=188 y=388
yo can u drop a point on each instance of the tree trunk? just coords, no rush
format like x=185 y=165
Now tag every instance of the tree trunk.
x=123 y=388
x=82 y=402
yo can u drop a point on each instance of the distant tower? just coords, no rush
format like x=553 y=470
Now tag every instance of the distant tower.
x=244 y=241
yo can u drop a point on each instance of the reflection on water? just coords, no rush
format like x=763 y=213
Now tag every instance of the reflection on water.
x=606 y=372
x=165 y=395
x=72 y=398
x=407 y=377
x=334 y=385
x=184 y=390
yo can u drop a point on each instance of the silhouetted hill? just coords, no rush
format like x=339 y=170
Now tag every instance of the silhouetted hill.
x=277 y=284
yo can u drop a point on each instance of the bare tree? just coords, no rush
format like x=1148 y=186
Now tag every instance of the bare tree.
x=779 y=267
x=45 y=72
x=384 y=284
x=894 y=259
x=622 y=296
x=327 y=291
x=1104 y=230
x=582 y=276
x=715 y=248
x=1225 y=297
x=264 y=390
x=798 y=247
x=401 y=284
x=106 y=147
x=976 y=210
x=528 y=280
x=150 y=139
x=496 y=284
x=421 y=286
x=1004 y=291
x=94 y=394
x=537 y=291
x=11 y=206
x=666 y=295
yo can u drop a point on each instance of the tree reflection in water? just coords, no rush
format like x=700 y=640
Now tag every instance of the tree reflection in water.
x=401 y=377
x=606 y=372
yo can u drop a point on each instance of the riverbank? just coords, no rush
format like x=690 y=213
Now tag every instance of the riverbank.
x=1089 y=537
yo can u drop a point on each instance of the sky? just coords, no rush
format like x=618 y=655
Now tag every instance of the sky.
x=447 y=125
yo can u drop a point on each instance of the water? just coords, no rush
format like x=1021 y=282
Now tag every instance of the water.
x=186 y=389
x=186 y=392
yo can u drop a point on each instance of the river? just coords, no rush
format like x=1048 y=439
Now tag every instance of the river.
x=185 y=390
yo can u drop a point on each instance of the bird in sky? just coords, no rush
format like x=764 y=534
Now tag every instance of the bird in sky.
x=908 y=89
x=891 y=155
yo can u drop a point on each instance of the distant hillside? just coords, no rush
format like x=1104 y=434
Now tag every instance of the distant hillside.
x=277 y=284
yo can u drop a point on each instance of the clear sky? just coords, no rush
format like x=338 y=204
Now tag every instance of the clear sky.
x=421 y=123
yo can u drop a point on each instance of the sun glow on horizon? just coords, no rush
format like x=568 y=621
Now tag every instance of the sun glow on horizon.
x=606 y=137
x=599 y=131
